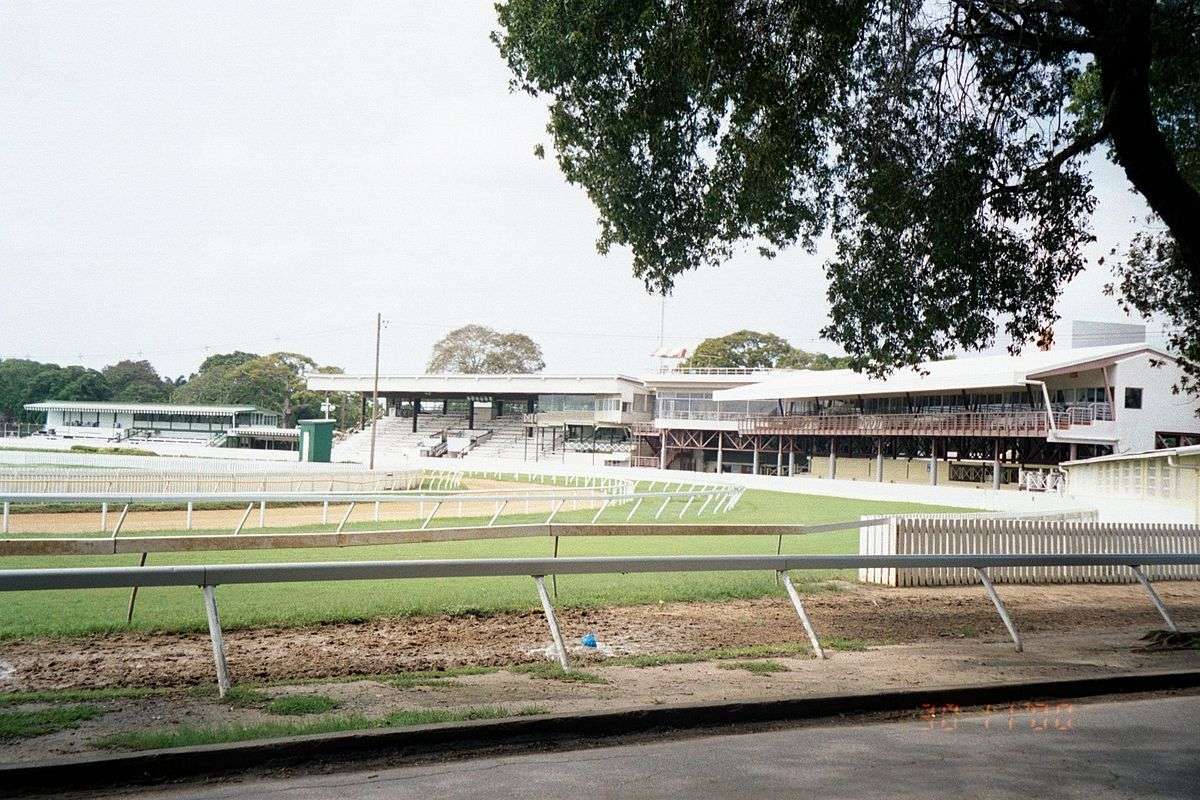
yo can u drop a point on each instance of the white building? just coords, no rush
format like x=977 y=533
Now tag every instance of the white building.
x=974 y=420
x=114 y=421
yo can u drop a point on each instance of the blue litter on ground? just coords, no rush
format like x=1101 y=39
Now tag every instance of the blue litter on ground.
x=588 y=640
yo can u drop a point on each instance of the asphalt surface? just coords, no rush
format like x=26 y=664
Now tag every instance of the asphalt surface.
x=1123 y=749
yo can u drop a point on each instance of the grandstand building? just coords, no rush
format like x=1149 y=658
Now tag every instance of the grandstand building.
x=985 y=420
x=210 y=424
x=526 y=417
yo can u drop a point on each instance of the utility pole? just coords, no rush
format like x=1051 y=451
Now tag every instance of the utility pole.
x=375 y=394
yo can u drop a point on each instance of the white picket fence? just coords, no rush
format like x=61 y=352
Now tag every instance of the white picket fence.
x=993 y=535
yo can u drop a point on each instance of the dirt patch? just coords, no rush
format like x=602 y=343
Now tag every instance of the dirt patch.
x=955 y=662
x=874 y=615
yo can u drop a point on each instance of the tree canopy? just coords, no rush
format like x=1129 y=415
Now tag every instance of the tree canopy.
x=755 y=350
x=136 y=382
x=274 y=382
x=23 y=381
x=940 y=144
x=478 y=349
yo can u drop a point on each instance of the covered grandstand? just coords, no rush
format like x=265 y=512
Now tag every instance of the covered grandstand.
x=987 y=421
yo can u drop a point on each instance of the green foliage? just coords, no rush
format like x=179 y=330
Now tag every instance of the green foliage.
x=27 y=724
x=23 y=381
x=550 y=671
x=272 y=382
x=939 y=144
x=478 y=349
x=755 y=667
x=751 y=349
x=188 y=736
x=433 y=677
x=301 y=704
x=136 y=382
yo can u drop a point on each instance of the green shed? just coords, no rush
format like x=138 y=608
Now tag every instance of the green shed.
x=316 y=439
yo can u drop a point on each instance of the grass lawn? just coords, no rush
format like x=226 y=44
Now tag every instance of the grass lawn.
x=68 y=613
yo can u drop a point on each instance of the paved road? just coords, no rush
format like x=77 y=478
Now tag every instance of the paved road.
x=1143 y=748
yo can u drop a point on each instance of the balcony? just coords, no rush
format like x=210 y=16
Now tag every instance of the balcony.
x=965 y=423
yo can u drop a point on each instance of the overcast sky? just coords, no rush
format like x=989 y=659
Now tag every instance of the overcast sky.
x=179 y=179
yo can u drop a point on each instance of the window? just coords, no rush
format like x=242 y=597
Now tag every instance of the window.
x=1133 y=397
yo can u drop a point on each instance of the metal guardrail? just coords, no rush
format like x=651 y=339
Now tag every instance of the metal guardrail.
x=726 y=497
x=97 y=545
x=208 y=577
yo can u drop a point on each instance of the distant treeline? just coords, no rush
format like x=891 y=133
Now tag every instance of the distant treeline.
x=273 y=382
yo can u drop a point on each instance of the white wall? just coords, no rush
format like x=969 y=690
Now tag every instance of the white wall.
x=1161 y=410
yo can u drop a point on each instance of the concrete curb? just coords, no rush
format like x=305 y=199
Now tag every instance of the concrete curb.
x=549 y=731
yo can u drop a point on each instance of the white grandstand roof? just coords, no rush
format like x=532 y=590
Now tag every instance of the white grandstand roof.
x=138 y=408
x=453 y=383
x=982 y=372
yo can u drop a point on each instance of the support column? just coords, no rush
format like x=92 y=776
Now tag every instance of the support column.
x=529 y=405
x=791 y=463
x=1074 y=451
x=470 y=415
x=662 y=450
x=799 y=606
x=933 y=461
x=755 y=467
x=416 y=409
x=218 y=641
x=362 y=418
x=779 y=458
x=720 y=452
x=999 y=604
x=996 y=465
x=879 y=460
x=445 y=407
x=832 y=457
x=555 y=633
x=1154 y=598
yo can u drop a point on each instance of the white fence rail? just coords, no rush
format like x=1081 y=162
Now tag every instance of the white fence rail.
x=209 y=577
x=903 y=536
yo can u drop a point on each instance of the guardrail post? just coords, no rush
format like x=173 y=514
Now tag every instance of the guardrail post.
x=241 y=523
x=996 y=601
x=218 y=641
x=799 y=606
x=120 y=521
x=133 y=595
x=1154 y=598
x=4 y=526
x=555 y=633
x=189 y=515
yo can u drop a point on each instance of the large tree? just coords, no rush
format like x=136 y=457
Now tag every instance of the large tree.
x=479 y=349
x=940 y=143
x=274 y=382
x=136 y=382
x=755 y=350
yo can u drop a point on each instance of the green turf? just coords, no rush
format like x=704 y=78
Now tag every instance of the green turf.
x=301 y=704
x=188 y=736
x=68 y=613
x=754 y=667
x=27 y=724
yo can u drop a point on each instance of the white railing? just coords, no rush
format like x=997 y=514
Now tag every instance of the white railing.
x=932 y=535
x=208 y=577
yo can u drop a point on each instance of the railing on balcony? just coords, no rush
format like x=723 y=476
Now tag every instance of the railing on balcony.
x=1016 y=423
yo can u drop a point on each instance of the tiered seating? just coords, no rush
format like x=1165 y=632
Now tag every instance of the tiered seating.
x=394 y=435
x=506 y=442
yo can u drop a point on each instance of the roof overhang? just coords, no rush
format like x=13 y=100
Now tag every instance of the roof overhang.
x=457 y=385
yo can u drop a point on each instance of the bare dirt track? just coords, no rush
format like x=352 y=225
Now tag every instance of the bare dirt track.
x=873 y=615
